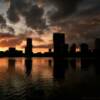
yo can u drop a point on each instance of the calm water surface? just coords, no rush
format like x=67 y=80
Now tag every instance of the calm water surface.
x=46 y=79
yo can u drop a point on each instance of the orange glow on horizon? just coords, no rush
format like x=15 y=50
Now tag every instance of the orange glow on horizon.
x=3 y=49
x=42 y=50
x=77 y=49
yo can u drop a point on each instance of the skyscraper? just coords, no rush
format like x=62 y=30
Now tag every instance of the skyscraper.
x=73 y=50
x=97 y=44
x=66 y=50
x=12 y=52
x=97 y=47
x=28 y=48
x=59 y=44
x=84 y=48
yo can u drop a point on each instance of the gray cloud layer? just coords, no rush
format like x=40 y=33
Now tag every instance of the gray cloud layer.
x=33 y=14
x=4 y=27
x=80 y=19
x=29 y=10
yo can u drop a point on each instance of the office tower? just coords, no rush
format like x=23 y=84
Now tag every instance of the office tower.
x=12 y=52
x=73 y=50
x=66 y=50
x=97 y=44
x=97 y=47
x=28 y=49
x=84 y=50
x=59 y=44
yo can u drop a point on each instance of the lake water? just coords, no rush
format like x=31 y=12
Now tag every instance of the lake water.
x=47 y=79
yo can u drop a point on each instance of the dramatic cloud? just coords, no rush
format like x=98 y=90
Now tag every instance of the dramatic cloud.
x=46 y=46
x=29 y=10
x=34 y=18
x=36 y=15
x=64 y=8
x=79 y=19
x=12 y=15
x=43 y=46
x=6 y=36
x=17 y=7
x=2 y=20
x=9 y=40
x=4 y=28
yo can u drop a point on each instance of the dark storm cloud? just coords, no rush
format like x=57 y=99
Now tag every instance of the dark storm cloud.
x=10 y=29
x=29 y=10
x=82 y=29
x=16 y=7
x=2 y=20
x=13 y=15
x=6 y=0
x=80 y=19
x=33 y=14
x=83 y=25
x=65 y=8
x=34 y=17
x=5 y=27
x=92 y=10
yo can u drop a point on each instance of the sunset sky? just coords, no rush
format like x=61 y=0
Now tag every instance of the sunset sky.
x=39 y=19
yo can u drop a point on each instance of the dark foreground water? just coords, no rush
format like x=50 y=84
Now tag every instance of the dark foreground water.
x=47 y=79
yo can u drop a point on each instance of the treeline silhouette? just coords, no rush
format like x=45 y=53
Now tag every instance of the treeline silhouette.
x=61 y=49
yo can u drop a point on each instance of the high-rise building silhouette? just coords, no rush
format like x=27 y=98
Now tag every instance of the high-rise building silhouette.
x=59 y=44
x=12 y=52
x=28 y=48
x=84 y=50
x=73 y=50
x=84 y=47
x=66 y=50
x=97 y=44
x=12 y=49
x=97 y=47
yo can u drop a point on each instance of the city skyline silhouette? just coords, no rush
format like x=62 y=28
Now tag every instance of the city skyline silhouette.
x=49 y=49
x=61 y=49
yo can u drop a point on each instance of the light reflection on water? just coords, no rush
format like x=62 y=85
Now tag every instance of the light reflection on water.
x=45 y=78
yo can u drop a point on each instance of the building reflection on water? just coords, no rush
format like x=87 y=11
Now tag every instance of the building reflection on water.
x=52 y=68
x=48 y=78
x=11 y=66
x=28 y=66
x=60 y=67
